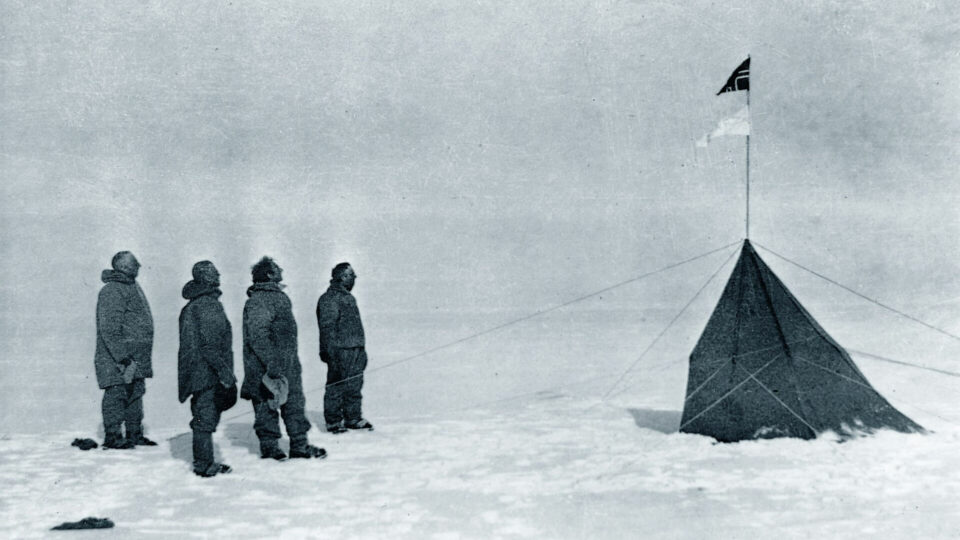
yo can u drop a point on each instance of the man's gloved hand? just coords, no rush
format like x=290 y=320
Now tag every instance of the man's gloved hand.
x=273 y=370
x=227 y=379
x=129 y=372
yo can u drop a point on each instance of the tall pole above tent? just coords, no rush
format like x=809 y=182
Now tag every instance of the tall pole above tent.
x=737 y=124
x=748 y=169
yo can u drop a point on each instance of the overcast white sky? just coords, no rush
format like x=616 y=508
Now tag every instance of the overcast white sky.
x=468 y=158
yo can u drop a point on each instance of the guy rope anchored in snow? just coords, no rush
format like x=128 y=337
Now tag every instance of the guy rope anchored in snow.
x=623 y=375
x=518 y=320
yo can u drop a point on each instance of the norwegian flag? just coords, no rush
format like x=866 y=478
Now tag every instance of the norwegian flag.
x=739 y=79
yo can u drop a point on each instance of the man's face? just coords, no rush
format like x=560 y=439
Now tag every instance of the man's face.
x=276 y=273
x=348 y=278
x=129 y=265
x=210 y=275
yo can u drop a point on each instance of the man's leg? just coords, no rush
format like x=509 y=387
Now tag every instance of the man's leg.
x=355 y=361
x=204 y=423
x=333 y=396
x=133 y=414
x=295 y=419
x=267 y=427
x=113 y=407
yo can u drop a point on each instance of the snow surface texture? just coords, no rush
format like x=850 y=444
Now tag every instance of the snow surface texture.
x=556 y=467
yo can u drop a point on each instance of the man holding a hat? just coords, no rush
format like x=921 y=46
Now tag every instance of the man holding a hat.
x=272 y=373
x=205 y=366
x=124 y=350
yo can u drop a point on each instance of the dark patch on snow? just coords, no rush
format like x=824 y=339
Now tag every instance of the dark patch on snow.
x=181 y=447
x=84 y=444
x=241 y=434
x=85 y=523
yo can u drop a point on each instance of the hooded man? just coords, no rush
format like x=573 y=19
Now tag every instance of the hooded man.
x=342 y=349
x=270 y=361
x=124 y=348
x=205 y=366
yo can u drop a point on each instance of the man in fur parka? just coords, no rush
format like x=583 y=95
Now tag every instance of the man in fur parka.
x=124 y=349
x=205 y=365
x=270 y=354
x=342 y=350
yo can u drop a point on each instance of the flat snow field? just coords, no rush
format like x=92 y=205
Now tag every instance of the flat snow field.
x=553 y=467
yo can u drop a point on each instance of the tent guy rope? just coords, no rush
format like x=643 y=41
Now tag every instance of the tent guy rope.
x=518 y=320
x=861 y=295
x=670 y=324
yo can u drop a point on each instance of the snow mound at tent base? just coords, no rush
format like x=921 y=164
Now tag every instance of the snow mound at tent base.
x=552 y=468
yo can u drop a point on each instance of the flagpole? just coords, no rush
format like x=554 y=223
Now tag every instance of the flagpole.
x=748 y=167
x=739 y=80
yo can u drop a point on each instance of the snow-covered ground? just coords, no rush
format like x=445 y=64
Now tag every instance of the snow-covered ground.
x=552 y=466
x=506 y=436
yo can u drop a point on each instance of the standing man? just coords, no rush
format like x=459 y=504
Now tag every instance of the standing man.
x=205 y=365
x=342 y=349
x=272 y=373
x=124 y=349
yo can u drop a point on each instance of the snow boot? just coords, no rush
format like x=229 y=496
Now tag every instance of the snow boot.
x=115 y=441
x=213 y=470
x=136 y=437
x=359 y=424
x=300 y=448
x=203 y=463
x=270 y=450
x=337 y=428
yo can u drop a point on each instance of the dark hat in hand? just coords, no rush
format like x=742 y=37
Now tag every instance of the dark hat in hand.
x=225 y=397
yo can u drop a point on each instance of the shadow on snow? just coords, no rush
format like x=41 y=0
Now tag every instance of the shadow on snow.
x=657 y=420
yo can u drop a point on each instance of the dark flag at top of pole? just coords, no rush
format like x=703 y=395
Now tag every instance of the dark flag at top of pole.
x=739 y=80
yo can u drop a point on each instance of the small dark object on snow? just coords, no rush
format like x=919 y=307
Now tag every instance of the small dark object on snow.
x=84 y=444
x=85 y=523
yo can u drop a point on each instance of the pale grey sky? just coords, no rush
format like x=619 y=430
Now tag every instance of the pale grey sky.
x=466 y=157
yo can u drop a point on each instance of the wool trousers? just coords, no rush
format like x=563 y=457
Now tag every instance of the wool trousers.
x=123 y=404
x=342 y=397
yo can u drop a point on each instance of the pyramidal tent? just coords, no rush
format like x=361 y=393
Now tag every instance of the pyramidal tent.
x=764 y=368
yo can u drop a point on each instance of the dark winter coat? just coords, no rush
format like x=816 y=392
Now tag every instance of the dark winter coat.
x=339 y=320
x=206 y=341
x=124 y=330
x=269 y=339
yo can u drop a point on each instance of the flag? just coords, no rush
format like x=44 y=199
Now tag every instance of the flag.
x=738 y=124
x=739 y=79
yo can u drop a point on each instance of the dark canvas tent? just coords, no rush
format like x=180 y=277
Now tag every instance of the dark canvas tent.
x=764 y=368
